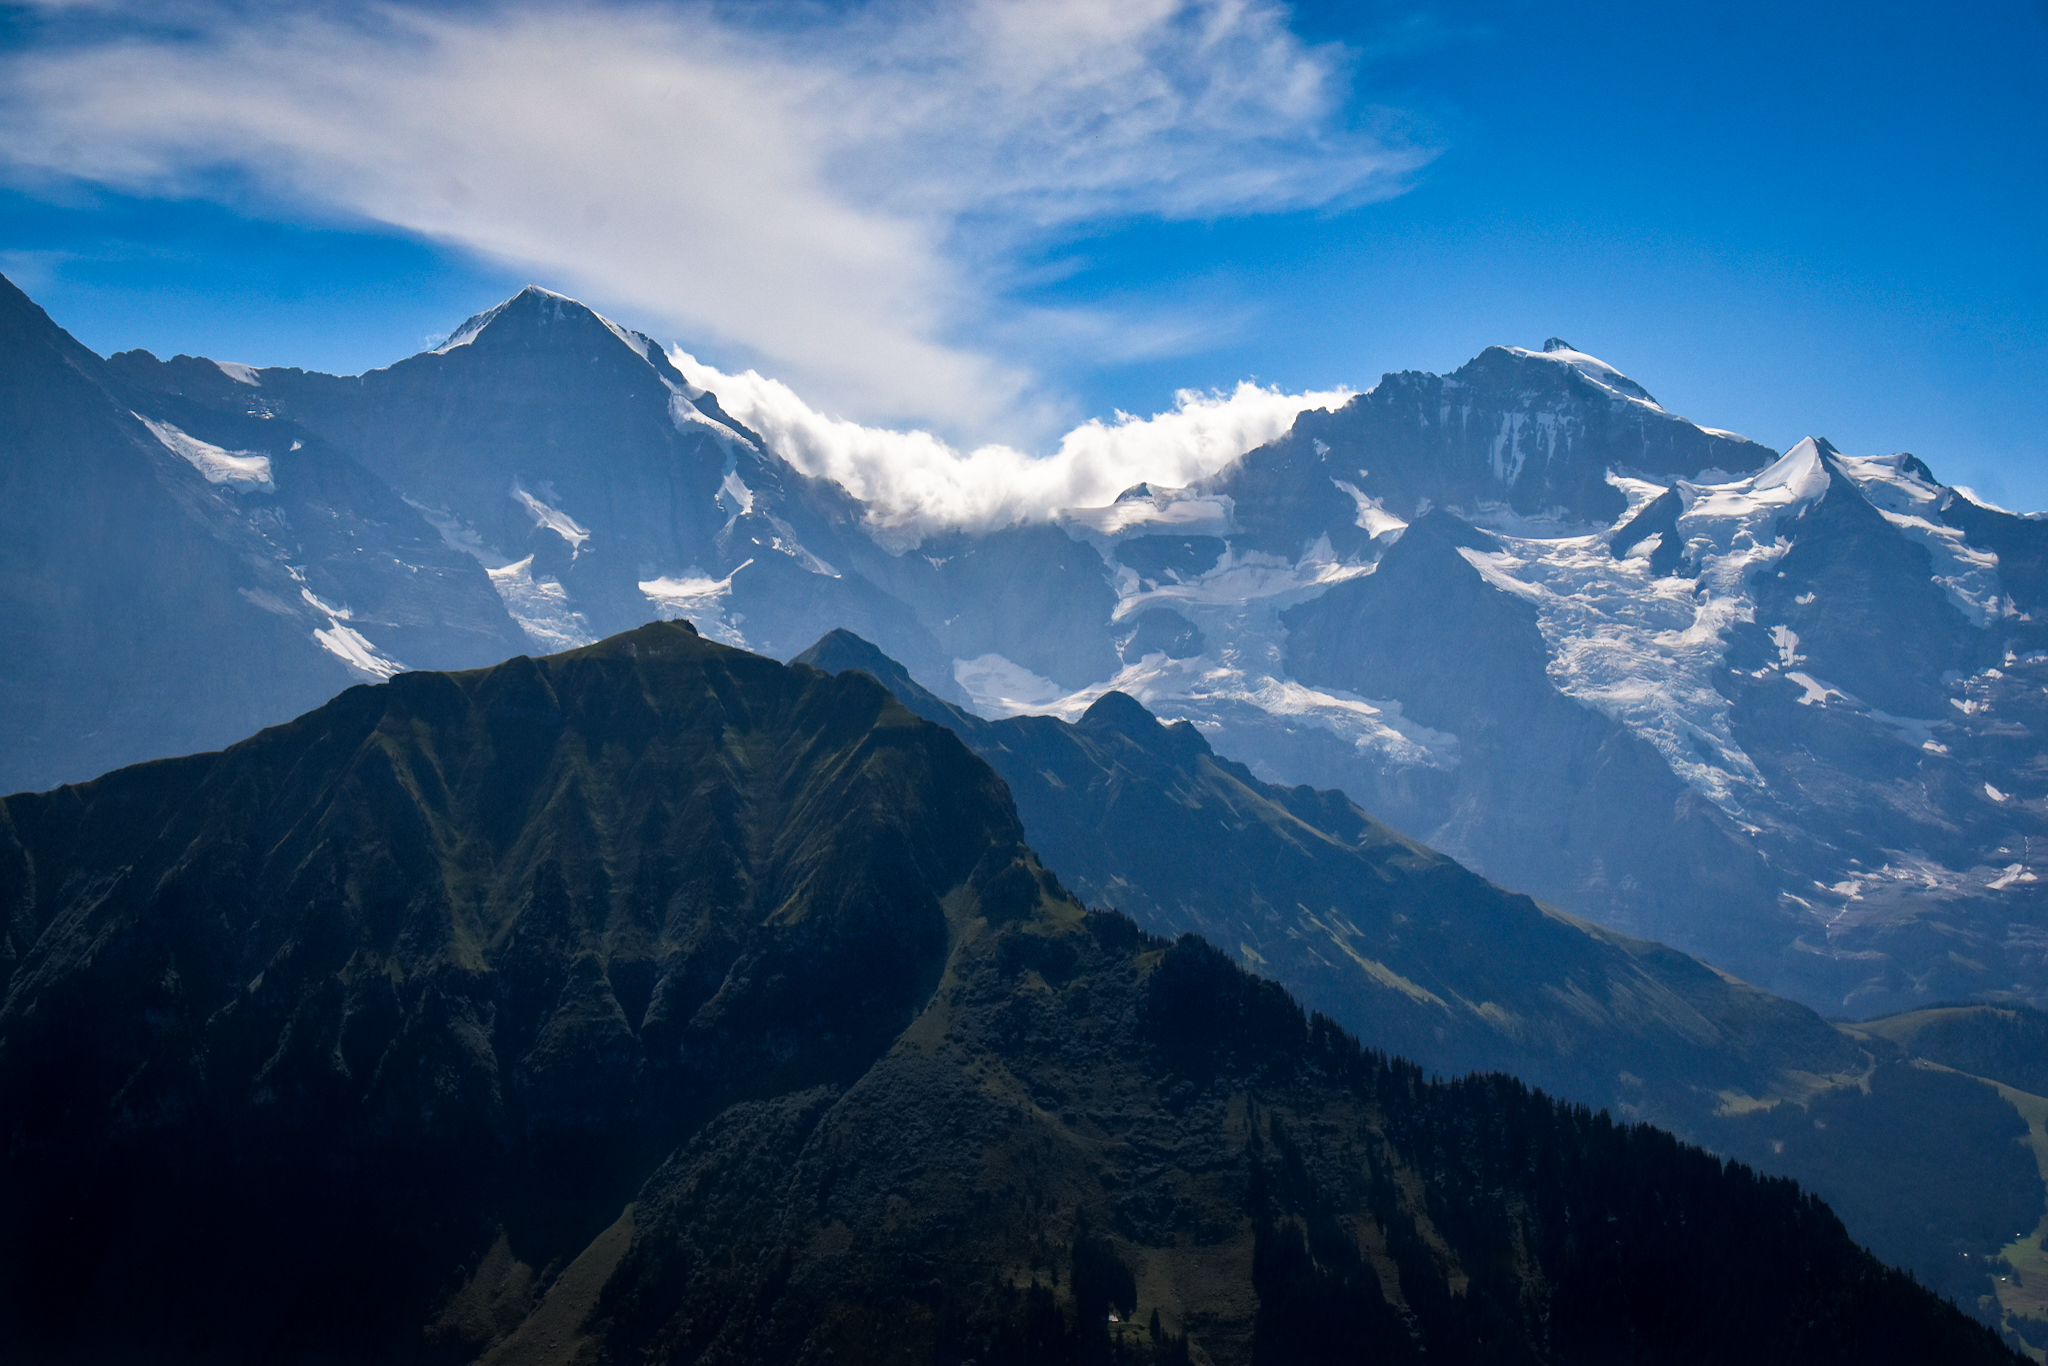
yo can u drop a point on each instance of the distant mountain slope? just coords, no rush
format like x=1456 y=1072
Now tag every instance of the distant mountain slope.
x=172 y=576
x=1419 y=956
x=655 y=1001
x=1397 y=942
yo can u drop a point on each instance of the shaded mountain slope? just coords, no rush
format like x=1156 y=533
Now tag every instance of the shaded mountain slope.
x=1538 y=772
x=599 y=487
x=659 y=1002
x=1420 y=956
x=1397 y=942
x=300 y=1018
x=172 y=577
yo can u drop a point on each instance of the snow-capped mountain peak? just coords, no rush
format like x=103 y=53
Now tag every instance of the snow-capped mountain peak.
x=535 y=309
x=1598 y=371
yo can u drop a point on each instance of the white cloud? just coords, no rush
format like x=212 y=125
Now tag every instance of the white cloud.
x=915 y=484
x=838 y=191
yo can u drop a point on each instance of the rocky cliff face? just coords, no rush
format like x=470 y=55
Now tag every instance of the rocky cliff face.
x=657 y=1001
x=1532 y=432
x=594 y=484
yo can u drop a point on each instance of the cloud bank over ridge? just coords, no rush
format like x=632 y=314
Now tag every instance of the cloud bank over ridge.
x=844 y=193
x=916 y=484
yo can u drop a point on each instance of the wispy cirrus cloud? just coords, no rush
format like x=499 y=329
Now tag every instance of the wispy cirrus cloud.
x=842 y=191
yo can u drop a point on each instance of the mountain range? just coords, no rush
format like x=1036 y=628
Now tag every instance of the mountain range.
x=657 y=1001
x=1776 y=712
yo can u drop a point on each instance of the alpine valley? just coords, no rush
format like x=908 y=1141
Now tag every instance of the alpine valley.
x=681 y=1005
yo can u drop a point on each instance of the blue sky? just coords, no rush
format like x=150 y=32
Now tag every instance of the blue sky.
x=1827 y=219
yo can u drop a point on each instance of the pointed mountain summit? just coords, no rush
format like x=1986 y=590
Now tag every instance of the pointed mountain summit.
x=596 y=485
x=1862 y=604
x=656 y=1001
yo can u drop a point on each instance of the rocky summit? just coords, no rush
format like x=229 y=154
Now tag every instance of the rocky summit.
x=655 y=1001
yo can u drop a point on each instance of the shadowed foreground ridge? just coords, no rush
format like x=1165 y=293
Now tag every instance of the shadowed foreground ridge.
x=658 y=1002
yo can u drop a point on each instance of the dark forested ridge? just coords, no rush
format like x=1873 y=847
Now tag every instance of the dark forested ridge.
x=658 y=1002
x=2003 y=1043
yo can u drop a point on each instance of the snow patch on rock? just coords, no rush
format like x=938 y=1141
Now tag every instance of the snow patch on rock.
x=242 y=471
x=347 y=644
x=684 y=413
x=554 y=519
x=540 y=606
x=997 y=687
x=1157 y=509
x=696 y=597
x=1591 y=367
x=1243 y=579
x=734 y=498
x=1373 y=517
